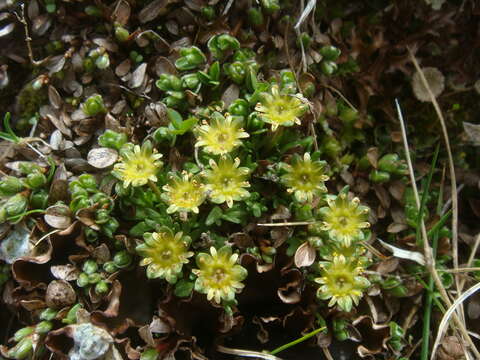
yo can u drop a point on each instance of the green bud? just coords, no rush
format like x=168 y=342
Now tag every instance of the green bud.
x=88 y=65
x=39 y=199
x=36 y=180
x=341 y=335
x=208 y=12
x=304 y=39
x=379 y=177
x=110 y=227
x=48 y=314
x=91 y=235
x=121 y=34
x=388 y=163
x=15 y=205
x=43 y=327
x=162 y=134
x=94 y=105
x=330 y=52
x=348 y=115
x=112 y=139
x=102 y=216
x=150 y=354
x=110 y=267
x=10 y=185
x=255 y=17
x=332 y=147
x=103 y=61
x=23 y=332
x=219 y=44
x=244 y=55
x=90 y=267
x=239 y=107
x=190 y=81
x=22 y=350
x=328 y=67
x=94 y=278
x=391 y=283
x=308 y=89
x=102 y=287
x=270 y=5
x=168 y=82
x=398 y=291
x=254 y=122
x=190 y=58
x=82 y=280
x=122 y=259
x=71 y=317
x=236 y=72
x=27 y=167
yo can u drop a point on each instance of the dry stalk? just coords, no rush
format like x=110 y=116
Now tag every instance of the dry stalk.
x=451 y=165
x=430 y=261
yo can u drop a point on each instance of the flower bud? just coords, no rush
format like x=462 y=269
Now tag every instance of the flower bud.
x=90 y=267
x=48 y=314
x=16 y=205
x=36 y=180
x=330 y=52
x=102 y=287
x=10 y=185
x=328 y=67
x=379 y=177
x=110 y=267
x=39 y=199
x=122 y=259
x=82 y=280
x=150 y=354
x=22 y=349
x=121 y=34
x=94 y=278
x=23 y=332
x=43 y=327
x=94 y=105
x=112 y=139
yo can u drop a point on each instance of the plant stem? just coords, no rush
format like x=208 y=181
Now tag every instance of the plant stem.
x=297 y=341
x=155 y=189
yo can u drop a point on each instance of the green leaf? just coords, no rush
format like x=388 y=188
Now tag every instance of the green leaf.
x=183 y=288
x=214 y=216
x=175 y=118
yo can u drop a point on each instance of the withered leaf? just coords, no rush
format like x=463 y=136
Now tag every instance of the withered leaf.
x=305 y=255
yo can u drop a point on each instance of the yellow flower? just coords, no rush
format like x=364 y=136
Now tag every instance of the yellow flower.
x=222 y=135
x=164 y=254
x=138 y=165
x=305 y=178
x=344 y=219
x=218 y=274
x=341 y=282
x=184 y=194
x=226 y=181
x=280 y=109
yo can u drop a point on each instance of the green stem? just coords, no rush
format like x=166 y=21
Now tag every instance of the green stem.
x=297 y=341
x=155 y=189
x=16 y=217
x=277 y=136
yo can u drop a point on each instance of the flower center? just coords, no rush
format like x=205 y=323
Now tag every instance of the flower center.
x=222 y=138
x=166 y=255
x=343 y=221
x=219 y=275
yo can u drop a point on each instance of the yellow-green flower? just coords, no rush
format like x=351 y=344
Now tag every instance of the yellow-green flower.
x=164 y=254
x=138 y=165
x=305 y=178
x=344 y=219
x=280 y=109
x=218 y=274
x=222 y=135
x=184 y=194
x=341 y=282
x=226 y=182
